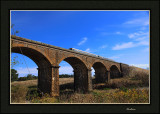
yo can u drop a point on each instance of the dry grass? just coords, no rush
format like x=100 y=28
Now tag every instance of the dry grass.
x=117 y=83
x=129 y=96
x=34 y=82
x=26 y=83
x=108 y=96
x=18 y=94
x=139 y=74
x=119 y=90
x=65 y=80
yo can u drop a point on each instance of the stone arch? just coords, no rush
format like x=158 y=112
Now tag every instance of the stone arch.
x=80 y=71
x=114 y=72
x=16 y=49
x=101 y=72
x=72 y=55
x=43 y=63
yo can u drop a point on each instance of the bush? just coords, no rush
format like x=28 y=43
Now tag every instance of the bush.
x=22 y=79
x=140 y=74
x=32 y=93
x=65 y=76
x=129 y=96
x=29 y=77
x=14 y=75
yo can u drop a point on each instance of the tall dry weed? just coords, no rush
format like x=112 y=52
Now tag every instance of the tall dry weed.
x=18 y=94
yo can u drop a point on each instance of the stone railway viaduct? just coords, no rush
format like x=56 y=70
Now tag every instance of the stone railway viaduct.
x=48 y=57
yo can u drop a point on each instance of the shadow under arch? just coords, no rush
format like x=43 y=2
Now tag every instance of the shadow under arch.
x=101 y=73
x=44 y=72
x=80 y=72
x=114 y=72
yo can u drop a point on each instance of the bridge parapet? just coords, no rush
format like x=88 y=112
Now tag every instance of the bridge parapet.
x=56 y=47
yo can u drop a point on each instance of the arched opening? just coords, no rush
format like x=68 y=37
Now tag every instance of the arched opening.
x=24 y=65
x=114 y=72
x=44 y=71
x=80 y=73
x=101 y=74
x=66 y=78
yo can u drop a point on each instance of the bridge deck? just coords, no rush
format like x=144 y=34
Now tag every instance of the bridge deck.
x=48 y=45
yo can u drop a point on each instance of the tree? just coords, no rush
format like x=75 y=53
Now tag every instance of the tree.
x=14 y=75
x=14 y=61
x=14 y=32
x=29 y=77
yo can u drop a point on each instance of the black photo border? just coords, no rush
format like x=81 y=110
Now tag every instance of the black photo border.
x=6 y=6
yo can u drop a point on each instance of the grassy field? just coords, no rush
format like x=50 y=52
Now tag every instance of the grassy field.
x=122 y=90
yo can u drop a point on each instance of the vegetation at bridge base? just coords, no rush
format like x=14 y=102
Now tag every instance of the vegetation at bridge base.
x=29 y=77
x=18 y=94
x=14 y=75
x=139 y=74
x=65 y=76
x=133 y=88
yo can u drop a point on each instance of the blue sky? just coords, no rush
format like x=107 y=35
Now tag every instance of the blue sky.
x=119 y=35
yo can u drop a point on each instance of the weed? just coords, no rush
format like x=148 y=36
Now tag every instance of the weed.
x=18 y=94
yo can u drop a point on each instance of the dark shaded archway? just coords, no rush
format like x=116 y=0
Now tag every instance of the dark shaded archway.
x=101 y=74
x=114 y=72
x=44 y=70
x=80 y=74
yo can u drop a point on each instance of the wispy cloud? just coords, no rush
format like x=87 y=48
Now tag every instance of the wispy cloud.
x=143 y=28
x=116 y=56
x=139 y=35
x=66 y=70
x=104 y=33
x=145 y=50
x=139 y=38
x=83 y=41
x=129 y=45
x=145 y=43
x=103 y=46
x=88 y=50
x=119 y=33
x=123 y=46
x=137 y=22
x=111 y=33
x=24 y=71
x=140 y=65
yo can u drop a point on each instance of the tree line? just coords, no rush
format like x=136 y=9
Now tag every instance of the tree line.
x=14 y=76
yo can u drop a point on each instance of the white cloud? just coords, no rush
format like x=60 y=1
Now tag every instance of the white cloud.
x=140 y=39
x=116 y=57
x=143 y=43
x=104 y=33
x=118 y=33
x=123 y=46
x=130 y=45
x=111 y=33
x=83 y=41
x=145 y=50
x=24 y=71
x=66 y=70
x=143 y=28
x=140 y=65
x=103 y=46
x=88 y=50
x=139 y=35
x=138 y=22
